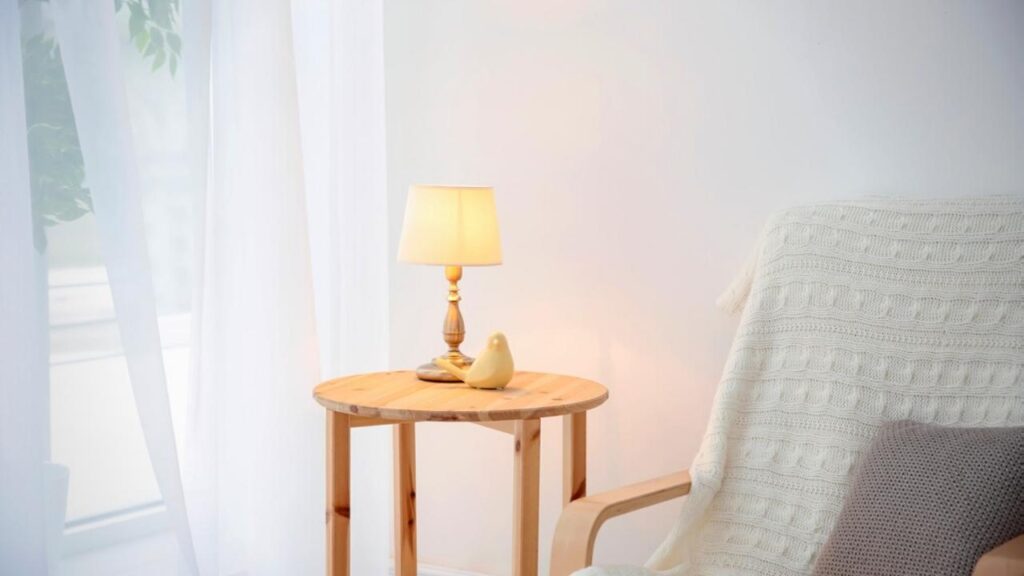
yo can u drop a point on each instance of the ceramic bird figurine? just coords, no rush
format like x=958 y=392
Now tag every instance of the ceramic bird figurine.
x=492 y=368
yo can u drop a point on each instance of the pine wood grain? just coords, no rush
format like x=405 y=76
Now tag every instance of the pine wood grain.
x=526 y=500
x=338 y=495
x=573 y=546
x=574 y=457
x=1006 y=559
x=405 y=499
x=506 y=426
x=401 y=396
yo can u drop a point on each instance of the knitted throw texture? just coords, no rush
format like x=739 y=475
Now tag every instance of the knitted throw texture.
x=854 y=314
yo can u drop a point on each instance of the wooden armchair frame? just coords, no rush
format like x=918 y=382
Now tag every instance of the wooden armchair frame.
x=573 y=547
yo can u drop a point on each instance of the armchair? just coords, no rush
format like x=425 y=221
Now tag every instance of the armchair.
x=577 y=528
x=854 y=314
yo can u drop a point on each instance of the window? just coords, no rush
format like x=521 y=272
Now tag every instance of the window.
x=94 y=426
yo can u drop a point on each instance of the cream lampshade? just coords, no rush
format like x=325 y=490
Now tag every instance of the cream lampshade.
x=450 y=226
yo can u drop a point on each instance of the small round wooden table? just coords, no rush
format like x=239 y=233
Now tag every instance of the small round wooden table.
x=401 y=399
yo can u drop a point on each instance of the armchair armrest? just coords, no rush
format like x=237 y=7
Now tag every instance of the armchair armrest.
x=1007 y=559
x=573 y=547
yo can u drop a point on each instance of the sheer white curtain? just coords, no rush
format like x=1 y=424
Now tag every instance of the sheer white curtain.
x=90 y=50
x=274 y=133
x=24 y=422
x=340 y=70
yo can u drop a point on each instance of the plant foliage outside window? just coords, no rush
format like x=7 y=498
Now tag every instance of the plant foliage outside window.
x=60 y=192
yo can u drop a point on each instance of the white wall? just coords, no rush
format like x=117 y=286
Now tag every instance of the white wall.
x=636 y=148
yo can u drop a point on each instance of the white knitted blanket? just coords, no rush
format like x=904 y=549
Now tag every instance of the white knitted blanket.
x=854 y=314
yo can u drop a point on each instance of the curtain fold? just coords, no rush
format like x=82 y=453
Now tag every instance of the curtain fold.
x=198 y=465
x=341 y=108
x=24 y=394
x=359 y=189
x=255 y=450
x=285 y=147
x=87 y=34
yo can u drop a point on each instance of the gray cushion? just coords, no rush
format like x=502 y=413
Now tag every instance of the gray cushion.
x=928 y=500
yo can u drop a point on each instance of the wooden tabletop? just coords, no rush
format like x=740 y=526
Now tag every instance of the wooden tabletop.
x=402 y=396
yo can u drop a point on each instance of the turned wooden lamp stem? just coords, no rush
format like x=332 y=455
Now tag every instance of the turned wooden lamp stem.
x=454 y=333
x=454 y=328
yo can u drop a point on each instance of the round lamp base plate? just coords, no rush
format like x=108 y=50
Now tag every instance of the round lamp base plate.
x=431 y=372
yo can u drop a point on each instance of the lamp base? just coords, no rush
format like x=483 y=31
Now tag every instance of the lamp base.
x=431 y=372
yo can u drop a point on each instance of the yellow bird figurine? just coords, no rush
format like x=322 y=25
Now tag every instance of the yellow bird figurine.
x=492 y=368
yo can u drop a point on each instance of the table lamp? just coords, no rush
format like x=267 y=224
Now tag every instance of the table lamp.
x=450 y=226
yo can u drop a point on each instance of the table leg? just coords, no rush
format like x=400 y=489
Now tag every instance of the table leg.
x=526 y=501
x=405 y=499
x=574 y=457
x=338 y=503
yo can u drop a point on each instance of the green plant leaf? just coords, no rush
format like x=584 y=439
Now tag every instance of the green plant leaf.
x=161 y=12
x=156 y=43
x=159 y=60
x=136 y=21
x=156 y=37
x=174 y=41
x=141 y=41
x=56 y=170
